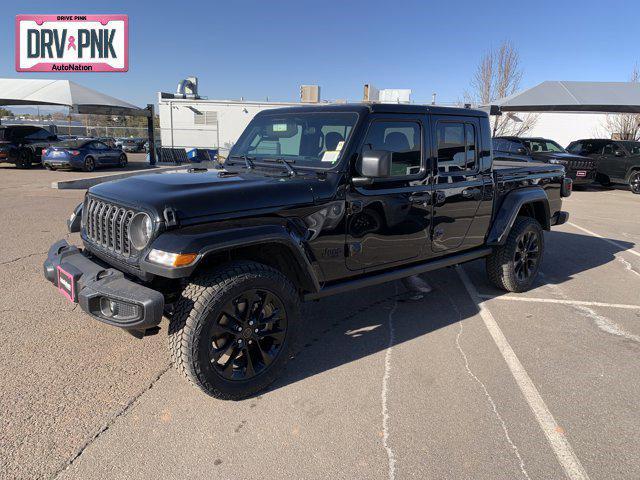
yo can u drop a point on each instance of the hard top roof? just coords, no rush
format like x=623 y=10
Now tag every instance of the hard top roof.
x=376 y=108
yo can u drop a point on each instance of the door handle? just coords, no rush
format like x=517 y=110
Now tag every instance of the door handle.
x=421 y=199
x=471 y=193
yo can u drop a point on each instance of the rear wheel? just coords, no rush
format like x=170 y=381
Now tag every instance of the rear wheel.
x=89 y=164
x=25 y=158
x=514 y=265
x=634 y=182
x=234 y=329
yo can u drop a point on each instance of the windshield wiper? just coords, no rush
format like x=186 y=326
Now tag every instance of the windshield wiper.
x=287 y=164
x=248 y=161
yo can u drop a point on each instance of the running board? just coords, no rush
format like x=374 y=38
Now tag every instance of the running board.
x=389 y=276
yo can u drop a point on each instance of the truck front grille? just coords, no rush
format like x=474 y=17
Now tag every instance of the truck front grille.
x=582 y=165
x=107 y=225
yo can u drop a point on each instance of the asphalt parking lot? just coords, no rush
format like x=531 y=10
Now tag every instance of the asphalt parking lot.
x=467 y=382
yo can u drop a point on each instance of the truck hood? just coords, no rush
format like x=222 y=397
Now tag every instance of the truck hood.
x=202 y=196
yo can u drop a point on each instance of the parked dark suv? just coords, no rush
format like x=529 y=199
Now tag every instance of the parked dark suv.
x=580 y=169
x=618 y=161
x=23 y=144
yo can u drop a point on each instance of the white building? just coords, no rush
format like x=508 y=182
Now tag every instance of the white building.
x=202 y=123
x=567 y=127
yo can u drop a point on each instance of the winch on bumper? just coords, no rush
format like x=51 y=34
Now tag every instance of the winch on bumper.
x=102 y=292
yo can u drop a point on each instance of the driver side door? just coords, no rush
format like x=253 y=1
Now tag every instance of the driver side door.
x=388 y=221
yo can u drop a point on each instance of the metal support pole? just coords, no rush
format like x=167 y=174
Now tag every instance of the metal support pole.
x=152 y=142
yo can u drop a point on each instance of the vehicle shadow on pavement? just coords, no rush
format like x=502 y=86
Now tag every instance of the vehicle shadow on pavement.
x=351 y=326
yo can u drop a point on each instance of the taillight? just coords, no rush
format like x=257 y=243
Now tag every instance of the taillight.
x=74 y=152
x=567 y=187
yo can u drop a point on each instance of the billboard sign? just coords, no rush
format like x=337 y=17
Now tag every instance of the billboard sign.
x=72 y=43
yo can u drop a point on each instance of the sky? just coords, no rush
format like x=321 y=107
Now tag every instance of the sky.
x=266 y=49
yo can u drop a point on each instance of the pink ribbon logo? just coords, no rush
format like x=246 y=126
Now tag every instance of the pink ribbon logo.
x=72 y=43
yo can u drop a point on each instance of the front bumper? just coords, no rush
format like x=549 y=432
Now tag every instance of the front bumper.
x=97 y=285
x=588 y=178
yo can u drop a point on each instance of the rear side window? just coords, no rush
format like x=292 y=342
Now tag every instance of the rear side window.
x=457 y=150
x=38 y=134
x=403 y=140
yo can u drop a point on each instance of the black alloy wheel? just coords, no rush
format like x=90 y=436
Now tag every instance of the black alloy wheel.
x=248 y=335
x=527 y=255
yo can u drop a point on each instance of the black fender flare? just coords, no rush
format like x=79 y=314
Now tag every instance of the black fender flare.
x=508 y=212
x=215 y=241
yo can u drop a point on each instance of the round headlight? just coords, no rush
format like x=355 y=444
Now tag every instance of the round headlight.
x=140 y=230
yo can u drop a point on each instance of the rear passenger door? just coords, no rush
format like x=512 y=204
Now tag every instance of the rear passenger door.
x=458 y=182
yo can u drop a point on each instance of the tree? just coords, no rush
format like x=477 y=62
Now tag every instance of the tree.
x=497 y=76
x=624 y=126
x=6 y=113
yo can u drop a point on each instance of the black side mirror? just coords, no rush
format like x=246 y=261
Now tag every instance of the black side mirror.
x=374 y=164
x=619 y=153
x=521 y=151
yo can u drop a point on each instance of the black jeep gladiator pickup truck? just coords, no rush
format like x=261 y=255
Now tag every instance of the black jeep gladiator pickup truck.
x=313 y=201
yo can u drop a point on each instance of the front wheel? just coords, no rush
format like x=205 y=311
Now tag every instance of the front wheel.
x=634 y=182
x=234 y=329
x=514 y=265
x=122 y=161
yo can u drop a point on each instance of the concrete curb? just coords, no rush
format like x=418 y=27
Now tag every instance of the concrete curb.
x=84 y=183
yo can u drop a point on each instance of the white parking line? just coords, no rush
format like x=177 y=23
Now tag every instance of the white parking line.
x=560 y=445
x=612 y=242
x=557 y=300
x=391 y=458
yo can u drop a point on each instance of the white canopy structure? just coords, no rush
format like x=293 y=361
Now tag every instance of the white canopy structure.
x=64 y=92
x=563 y=96
x=78 y=98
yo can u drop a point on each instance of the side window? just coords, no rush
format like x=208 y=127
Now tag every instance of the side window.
x=500 y=145
x=403 y=140
x=609 y=149
x=456 y=147
x=98 y=146
x=38 y=134
x=471 y=146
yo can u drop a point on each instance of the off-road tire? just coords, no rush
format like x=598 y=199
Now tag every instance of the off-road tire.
x=500 y=264
x=200 y=304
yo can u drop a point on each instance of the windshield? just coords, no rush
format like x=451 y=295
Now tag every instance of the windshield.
x=543 y=146
x=313 y=139
x=632 y=147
